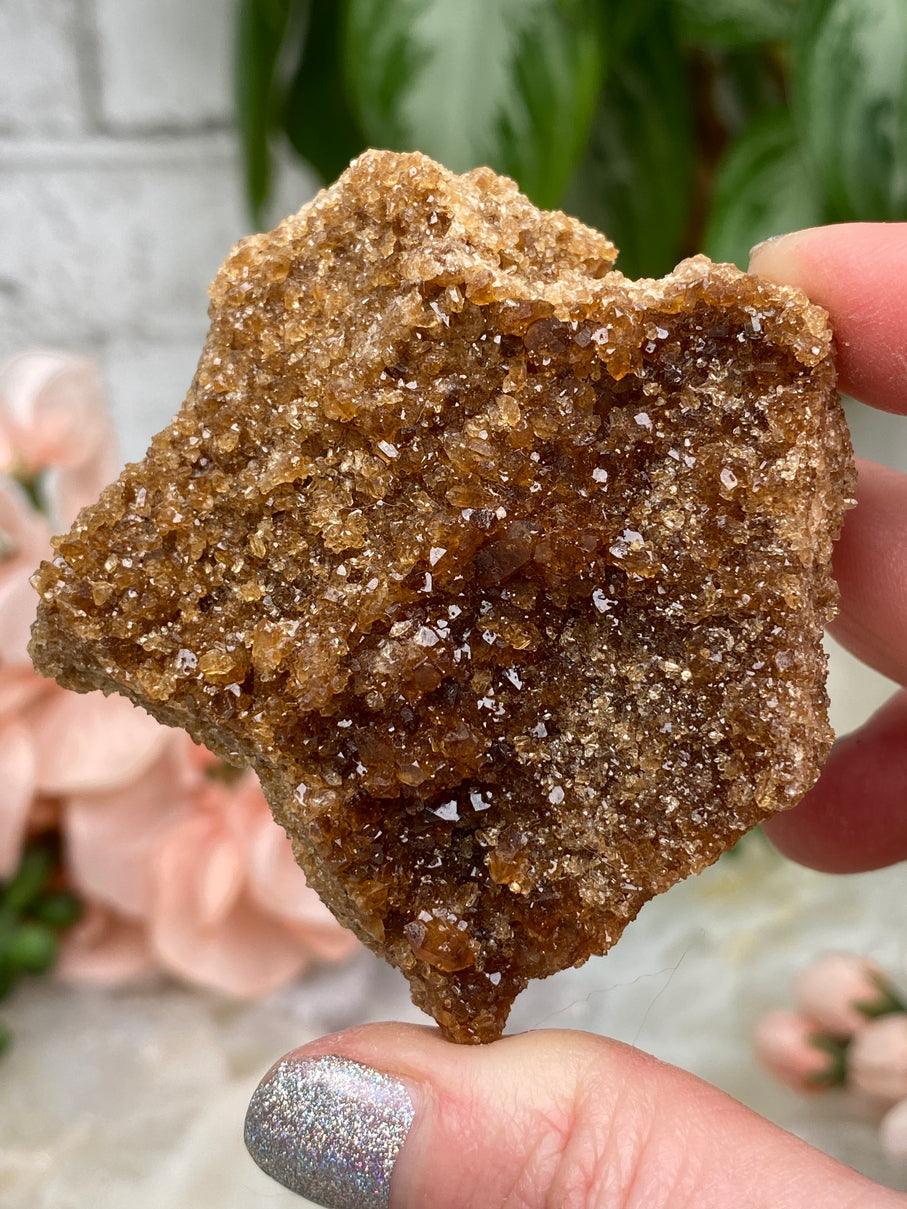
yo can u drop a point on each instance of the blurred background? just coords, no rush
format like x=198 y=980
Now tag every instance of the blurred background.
x=138 y=140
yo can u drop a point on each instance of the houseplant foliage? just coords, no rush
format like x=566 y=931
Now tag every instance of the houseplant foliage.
x=674 y=125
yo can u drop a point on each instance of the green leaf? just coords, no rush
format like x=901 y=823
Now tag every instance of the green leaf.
x=635 y=182
x=850 y=94
x=623 y=23
x=35 y=488
x=5 y=1037
x=317 y=117
x=510 y=83
x=261 y=27
x=886 y=1003
x=28 y=881
x=722 y=24
x=7 y=973
x=762 y=188
x=59 y=909
x=835 y=1073
x=32 y=947
x=746 y=83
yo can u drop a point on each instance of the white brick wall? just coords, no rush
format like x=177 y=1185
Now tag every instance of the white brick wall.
x=147 y=81
x=39 y=66
x=120 y=189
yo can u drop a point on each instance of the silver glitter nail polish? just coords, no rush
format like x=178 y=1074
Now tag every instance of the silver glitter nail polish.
x=329 y=1129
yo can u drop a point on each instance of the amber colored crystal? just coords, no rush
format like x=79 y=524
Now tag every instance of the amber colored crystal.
x=506 y=574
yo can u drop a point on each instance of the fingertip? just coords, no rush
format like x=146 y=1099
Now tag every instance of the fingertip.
x=776 y=258
x=853 y=820
x=858 y=273
x=406 y=1048
x=393 y=1116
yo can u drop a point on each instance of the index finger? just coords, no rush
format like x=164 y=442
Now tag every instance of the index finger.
x=853 y=819
x=858 y=272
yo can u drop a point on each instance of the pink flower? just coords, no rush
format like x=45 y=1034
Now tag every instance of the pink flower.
x=113 y=832
x=17 y=777
x=104 y=948
x=277 y=885
x=198 y=861
x=877 y=1059
x=786 y=1046
x=91 y=743
x=893 y=1131
x=833 y=990
x=20 y=688
x=181 y=869
x=24 y=541
x=213 y=921
x=53 y=418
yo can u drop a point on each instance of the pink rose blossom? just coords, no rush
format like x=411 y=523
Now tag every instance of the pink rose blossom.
x=17 y=777
x=53 y=419
x=785 y=1045
x=20 y=688
x=832 y=989
x=893 y=1132
x=112 y=833
x=24 y=541
x=277 y=885
x=89 y=742
x=201 y=865
x=104 y=948
x=877 y=1059
x=211 y=922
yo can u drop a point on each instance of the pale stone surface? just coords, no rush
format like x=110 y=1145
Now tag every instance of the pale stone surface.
x=144 y=1095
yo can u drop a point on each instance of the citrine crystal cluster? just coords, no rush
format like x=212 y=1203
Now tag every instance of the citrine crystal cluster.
x=506 y=574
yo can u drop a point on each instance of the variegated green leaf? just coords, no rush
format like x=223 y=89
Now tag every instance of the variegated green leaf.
x=762 y=188
x=635 y=182
x=734 y=23
x=851 y=103
x=510 y=83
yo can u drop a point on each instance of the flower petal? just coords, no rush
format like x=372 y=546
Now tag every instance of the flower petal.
x=18 y=605
x=278 y=885
x=53 y=410
x=91 y=742
x=219 y=880
x=244 y=953
x=17 y=786
x=20 y=688
x=24 y=541
x=112 y=838
x=70 y=488
x=104 y=948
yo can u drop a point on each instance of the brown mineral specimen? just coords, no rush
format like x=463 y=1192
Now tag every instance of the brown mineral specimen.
x=506 y=574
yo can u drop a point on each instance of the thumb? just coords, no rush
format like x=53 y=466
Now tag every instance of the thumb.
x=392 y=1117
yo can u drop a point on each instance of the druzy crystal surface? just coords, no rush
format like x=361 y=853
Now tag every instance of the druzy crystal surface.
x=505 y=573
